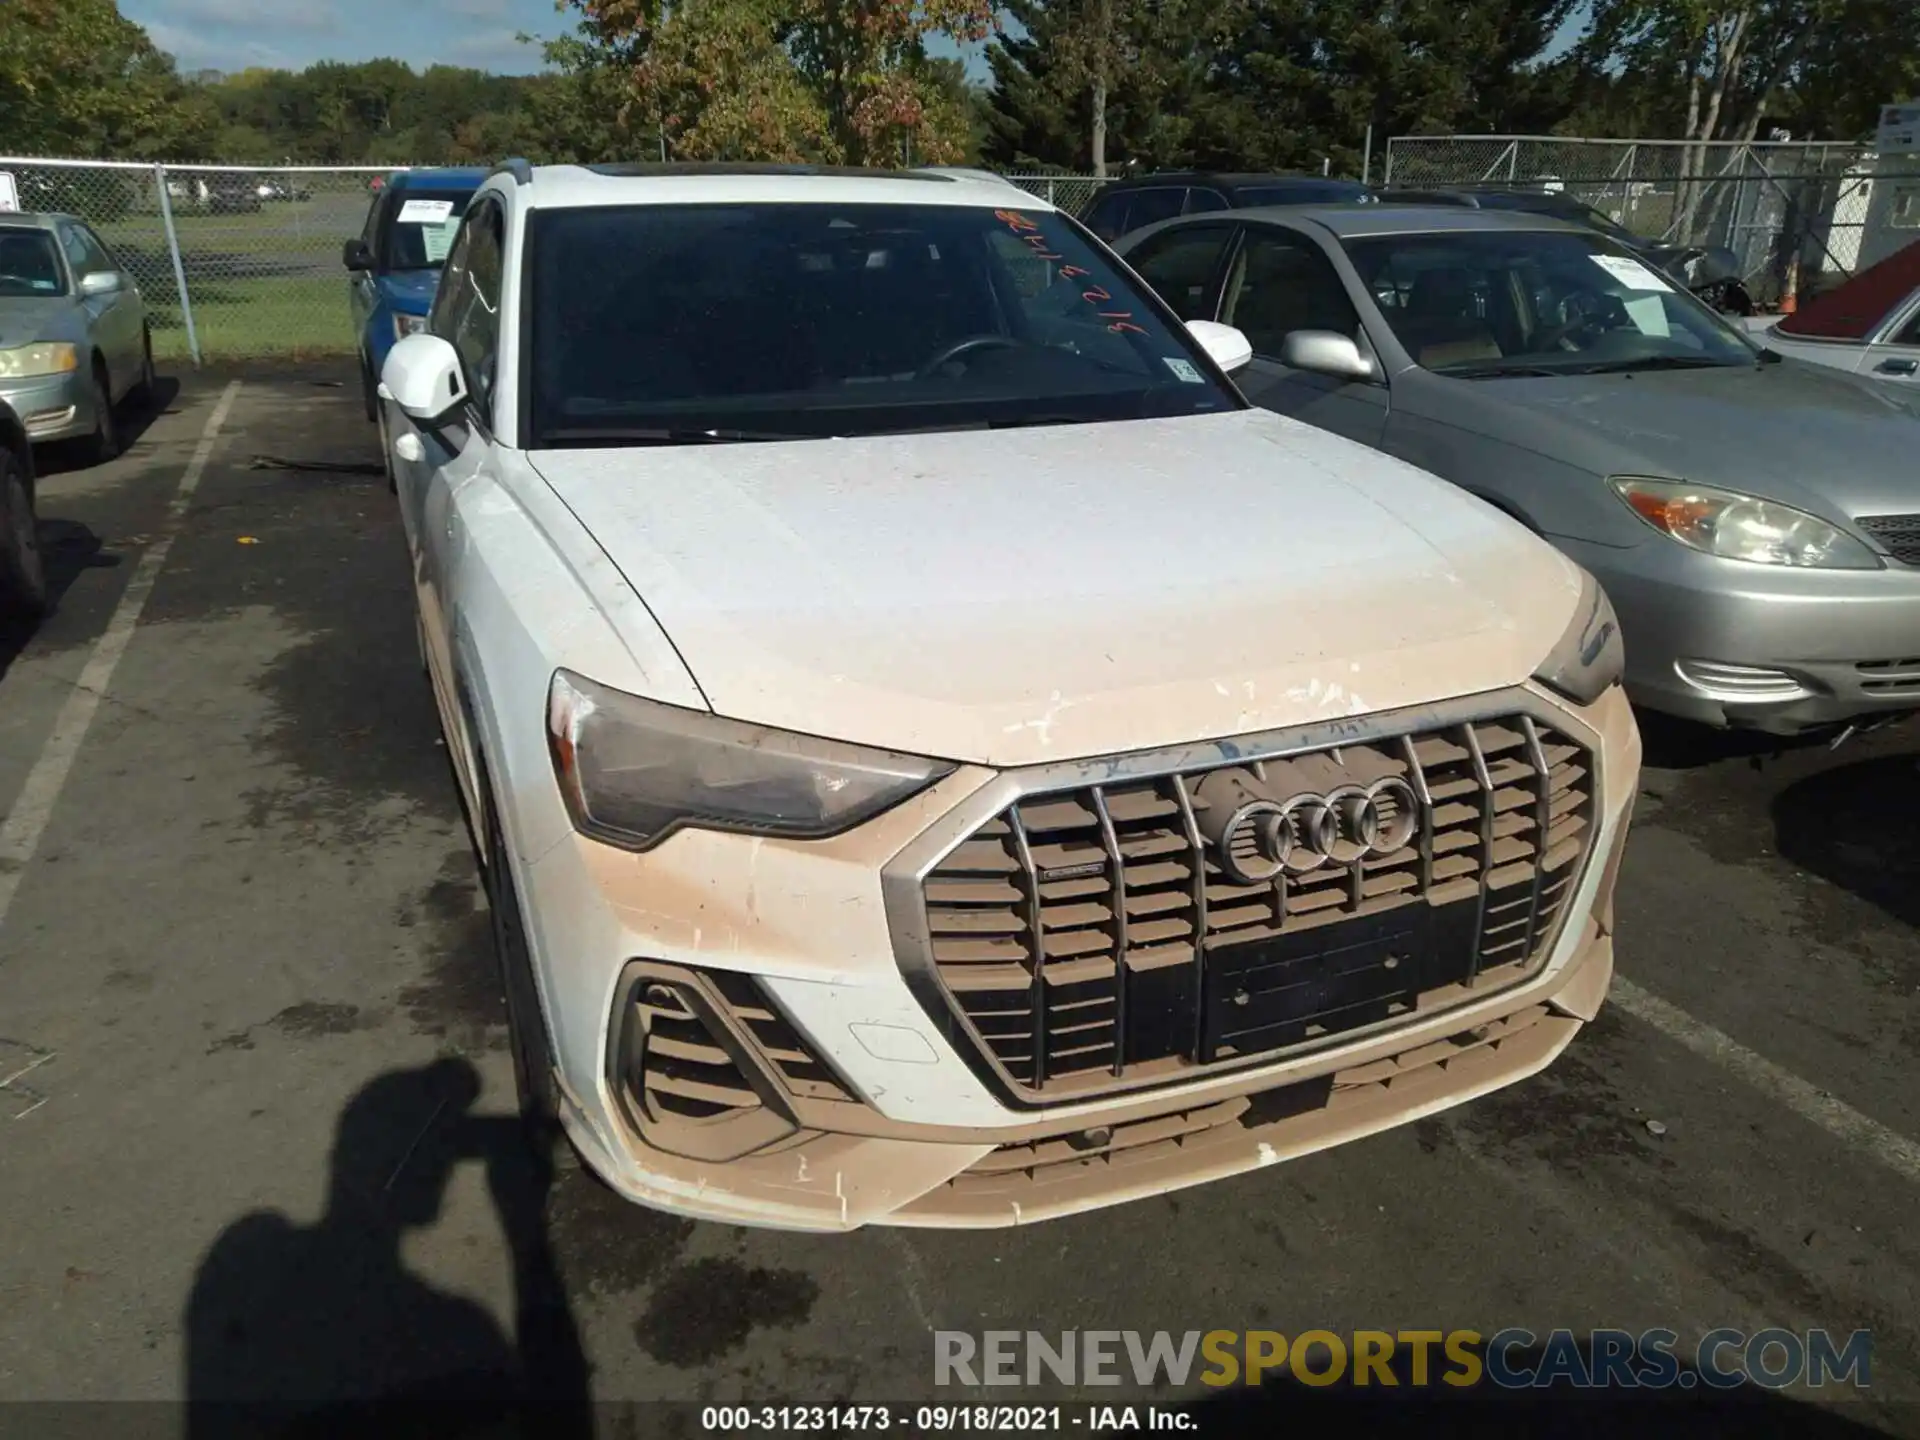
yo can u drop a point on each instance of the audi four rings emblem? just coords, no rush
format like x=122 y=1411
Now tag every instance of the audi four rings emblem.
x=1264 y=838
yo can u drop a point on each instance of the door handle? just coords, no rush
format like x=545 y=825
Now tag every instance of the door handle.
x=1896 y=367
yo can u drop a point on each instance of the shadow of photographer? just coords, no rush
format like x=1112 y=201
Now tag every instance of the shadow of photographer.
x=323 y=1330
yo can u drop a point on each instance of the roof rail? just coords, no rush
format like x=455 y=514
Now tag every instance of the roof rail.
x=521 y=170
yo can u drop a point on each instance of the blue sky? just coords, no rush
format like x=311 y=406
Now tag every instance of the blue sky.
x=235 y=34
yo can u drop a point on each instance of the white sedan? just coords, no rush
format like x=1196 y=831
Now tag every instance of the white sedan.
x=939 y=756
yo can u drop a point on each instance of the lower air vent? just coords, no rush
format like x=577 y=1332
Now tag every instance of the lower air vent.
x=690 y=1083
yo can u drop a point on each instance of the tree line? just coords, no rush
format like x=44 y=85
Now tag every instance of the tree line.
x=1076 y=85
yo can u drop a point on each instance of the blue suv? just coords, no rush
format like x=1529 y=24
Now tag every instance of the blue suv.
x=396 y=260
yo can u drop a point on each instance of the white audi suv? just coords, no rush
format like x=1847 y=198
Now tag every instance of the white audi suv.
x=938 y=755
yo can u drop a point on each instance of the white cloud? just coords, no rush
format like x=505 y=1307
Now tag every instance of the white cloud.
x=193 y=51
x=318 y=16
x=498 y=50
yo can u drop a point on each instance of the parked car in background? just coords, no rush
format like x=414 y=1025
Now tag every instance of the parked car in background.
x=23 y=577
x=232 y=193
x=1870 y=325
x=911 y=711
x=1123 y=205
x=281 y=189
x=1711 y=272
x=1755 y=521
x=394 y=263
x=75 y=340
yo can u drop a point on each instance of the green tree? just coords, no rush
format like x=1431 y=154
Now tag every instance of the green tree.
x=77 y=78
x=832 y=80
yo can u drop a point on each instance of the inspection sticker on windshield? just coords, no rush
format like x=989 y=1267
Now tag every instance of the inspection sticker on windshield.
x=425 y=212
x=1630 y=273
x=1183 y=370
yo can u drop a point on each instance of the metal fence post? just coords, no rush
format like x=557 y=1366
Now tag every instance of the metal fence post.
x=179 y=267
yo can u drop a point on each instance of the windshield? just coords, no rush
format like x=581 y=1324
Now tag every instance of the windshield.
x=422 y=229
x=1502 y=303
x=796 y=321
x=29 y=264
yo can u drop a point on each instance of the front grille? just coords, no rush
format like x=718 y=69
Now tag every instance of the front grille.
x=1899 y=533
x=1092 y=938
x=1890 y=677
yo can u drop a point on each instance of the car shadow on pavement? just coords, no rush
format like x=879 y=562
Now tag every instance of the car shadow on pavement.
x=1685 y=1409
x=66 y=548
x=1670 y=743
x=1858 y=827
x=135 y=417
x=322 y=1330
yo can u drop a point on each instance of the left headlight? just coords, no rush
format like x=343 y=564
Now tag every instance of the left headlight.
x=1590 y=656
x=45 y=359
x=633 y=771
x=1741 y=527
x=405 y=325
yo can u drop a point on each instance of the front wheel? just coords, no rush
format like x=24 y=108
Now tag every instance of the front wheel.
x=369 y=397
x=143 y=388
x=526 y=1025
x=104 y=443
x=23 y=575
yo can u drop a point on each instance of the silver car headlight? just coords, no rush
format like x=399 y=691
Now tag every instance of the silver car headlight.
x=1589 y=658
x=633 y=771
x=405 y=325
x=25 y=361
x=1741 y=527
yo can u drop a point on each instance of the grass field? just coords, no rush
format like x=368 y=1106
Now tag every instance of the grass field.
x=267 y=282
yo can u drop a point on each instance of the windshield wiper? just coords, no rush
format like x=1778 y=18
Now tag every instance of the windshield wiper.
x=1651 y=362
x=1497 y=372
x=673 y=435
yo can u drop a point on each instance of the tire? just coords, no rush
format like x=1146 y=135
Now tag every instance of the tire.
x=386 y=456
x=368 y=397
x=23 y=575
x=104 y=443
x=526 y=1024
x=143 y=390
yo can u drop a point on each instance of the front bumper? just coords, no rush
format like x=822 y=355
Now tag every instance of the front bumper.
x=1761 y=647
x=52 y=407
x=904 y=1130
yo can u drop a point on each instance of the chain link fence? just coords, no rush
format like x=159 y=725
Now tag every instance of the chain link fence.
x=1794 y=214
x=236 y=262
x=231 y=261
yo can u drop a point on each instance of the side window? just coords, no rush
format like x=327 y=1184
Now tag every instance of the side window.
x=1281 y=282
x=1909 y=333
x=1108 y=217
x=1179 y=264
x=98 y=256
x=1199 y=202
x=450 y=301
x=78 y=259
x=1151 y=205
x=476 y=333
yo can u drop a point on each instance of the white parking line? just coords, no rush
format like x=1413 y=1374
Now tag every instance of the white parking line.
x=1838 y=1119
x=20 y=835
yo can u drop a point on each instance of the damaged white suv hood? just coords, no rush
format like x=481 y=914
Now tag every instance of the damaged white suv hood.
x=1016 y=596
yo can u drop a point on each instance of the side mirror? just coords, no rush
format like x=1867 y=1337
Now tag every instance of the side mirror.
x=355 y=255
x=422 y=374
x=101 y=282
x=1225 y=346
x=1325 y=352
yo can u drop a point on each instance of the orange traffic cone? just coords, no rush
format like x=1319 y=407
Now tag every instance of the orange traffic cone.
x=1790 y=292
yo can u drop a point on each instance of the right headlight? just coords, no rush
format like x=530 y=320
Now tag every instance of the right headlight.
x=633 y=771
x=1589 y=658
x=50 y=358
x=1741 y=527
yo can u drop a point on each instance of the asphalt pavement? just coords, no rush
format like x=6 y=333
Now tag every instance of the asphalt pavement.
x=253 y=1076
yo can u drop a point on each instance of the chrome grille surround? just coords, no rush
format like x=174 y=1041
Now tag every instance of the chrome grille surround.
x=1541 y=898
